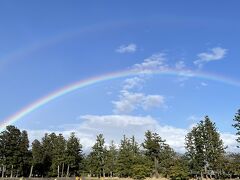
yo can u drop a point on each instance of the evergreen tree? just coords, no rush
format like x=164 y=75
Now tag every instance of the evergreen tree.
x=37 y=155
x=98 y=156
x=47 y=148
x=58 y=155
x=74 y=155
x=232 y=165
x=179 y=170
x=131 y=162
x=236 y=125
x=153 y=145
x=25 y=154
x=14 y=151
x=166 y=159
x=111 y=162
x=205 y=148
x=125 y=158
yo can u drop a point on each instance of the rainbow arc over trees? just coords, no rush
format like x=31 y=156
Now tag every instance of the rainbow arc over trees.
x=106 y=77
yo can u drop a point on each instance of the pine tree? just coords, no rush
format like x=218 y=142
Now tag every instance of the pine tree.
x=58 y=155
x=74 y=155
x=166 y=160
x=47 y=149
x=205 y=148
x=111 y=162
x=26 y=156
x=236 y=125
x=179 y=170
x=15 y=155
x=98 y=156
x=125 y=158
x=153 y=144
x=37 y=155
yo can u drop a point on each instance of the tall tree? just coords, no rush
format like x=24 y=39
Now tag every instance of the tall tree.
x=111 y=161
x=131 y=161
x=153 y=145
x=58 y=155
x=37 y=155
x=236 y=125
x=166 y=159
x=205 y=148
x=26 y=156
x=47 y=148
x=98 y=156
x=125 y=158
x=14 y=151
x=74 y=155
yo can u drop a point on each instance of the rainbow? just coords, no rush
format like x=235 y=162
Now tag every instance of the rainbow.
x=106 y=77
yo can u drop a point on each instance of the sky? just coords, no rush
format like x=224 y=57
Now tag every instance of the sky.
x=184 y=55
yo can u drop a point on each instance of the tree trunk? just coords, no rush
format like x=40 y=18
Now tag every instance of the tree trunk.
x=30 y=175
x=58 y=171
x=3 y=171
x=11 y=172
x=103 y=173
x=155 y=167
x=67 y=171
x=17 y=174
x=201 y=175
x=62 y=169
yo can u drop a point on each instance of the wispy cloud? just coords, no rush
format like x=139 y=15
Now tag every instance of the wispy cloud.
x=154 y=62
x=130 y=101
x=214 y=54
x=130 y=48
x=134 y=82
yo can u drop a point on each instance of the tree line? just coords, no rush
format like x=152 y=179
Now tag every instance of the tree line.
x=56 y=156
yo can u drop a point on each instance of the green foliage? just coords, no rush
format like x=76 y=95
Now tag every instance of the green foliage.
x=111 y=159
x=166 y=160
x=55 y=156
x=204 y=147
x=74 y=156
x=15 y=156
x=179 y=169
x=125 y=158
x=232 y=165
x=159 y=152
x=37 y=156
x=98 y=156
x=140 y=171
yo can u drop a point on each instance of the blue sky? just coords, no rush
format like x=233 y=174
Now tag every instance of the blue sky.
x=47 y=45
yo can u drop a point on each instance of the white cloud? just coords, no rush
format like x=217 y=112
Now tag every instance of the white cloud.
x=230 y=141
x=130 y=48
x=86 y=139
x=119 y=120
x=153 y=63
x=215 y=54
x=151 y=101
x=133 y=82
x=129 y=102
x=114 y=127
